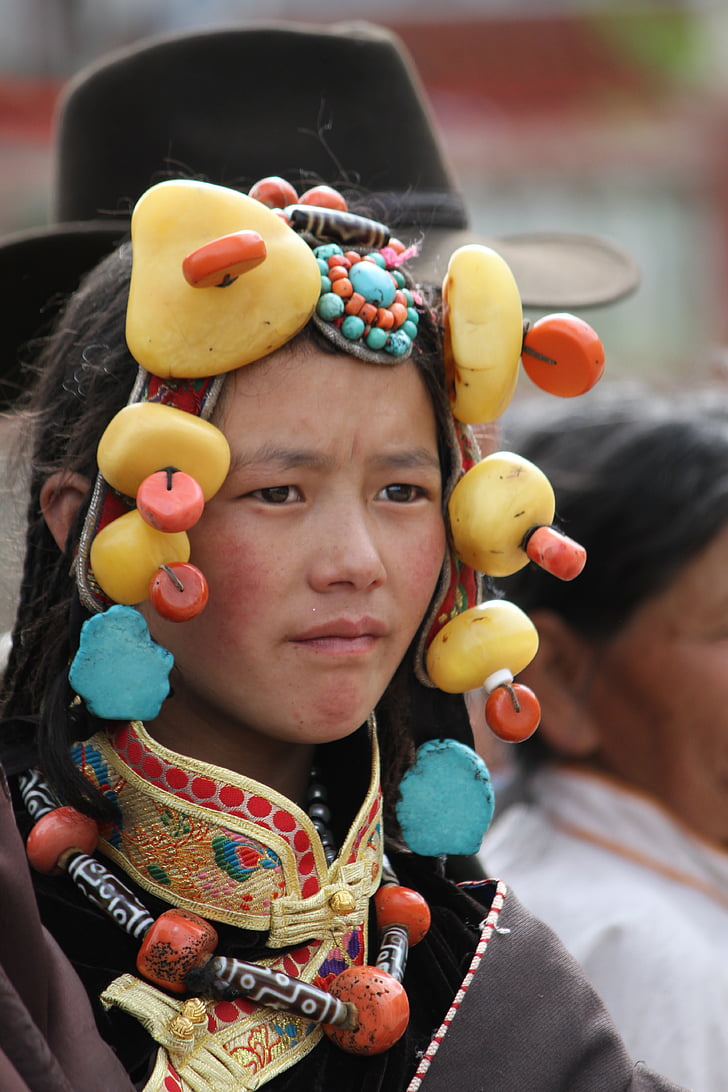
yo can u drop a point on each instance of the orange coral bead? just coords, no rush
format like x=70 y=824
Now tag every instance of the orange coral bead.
x=355 y=303
x=397 y=905
x=512 y=712
x=563 y=355
x=352 y=256
x=219 y=262
x=384 y=319
x=274 y=192
x=343 y=287
x=337 y=272
x=368 y=313
x=399 y=313
x=175 y=944
x=556 y=553
x=170 y=500
x=324 y=197
x=57 y=834
x=382 y=1010
x=179 y=591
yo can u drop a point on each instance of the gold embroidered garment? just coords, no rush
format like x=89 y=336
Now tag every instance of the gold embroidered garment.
x=232 y=850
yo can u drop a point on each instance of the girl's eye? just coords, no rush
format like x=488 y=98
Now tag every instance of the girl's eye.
x=401 y=493
x=277 y=494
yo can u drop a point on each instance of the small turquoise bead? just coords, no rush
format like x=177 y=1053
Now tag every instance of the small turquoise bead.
x=410 y=329
x=398 y=343
x=413 y=315
x=325 y=285
x=399 y=277
x=330 y=306
x=377 y=258
x=408 y=301
x=352 y=327
x=323 y=267
x=376 y=338
x=373 y=283
x=327 y=250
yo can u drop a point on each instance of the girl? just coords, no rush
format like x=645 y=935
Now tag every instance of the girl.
x=239 y=898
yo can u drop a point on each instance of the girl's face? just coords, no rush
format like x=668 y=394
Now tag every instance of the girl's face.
x=322 y=550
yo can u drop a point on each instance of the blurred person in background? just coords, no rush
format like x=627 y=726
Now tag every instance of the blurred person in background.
x=619 y=836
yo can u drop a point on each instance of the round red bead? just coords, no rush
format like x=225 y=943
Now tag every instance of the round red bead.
x=170 y=500
x=175 y=944
x=397 y=905
x=512 y=712
x=274 y=192
x=58 y=833
x=382 y=1010
x=324 y=197
x=179 y=591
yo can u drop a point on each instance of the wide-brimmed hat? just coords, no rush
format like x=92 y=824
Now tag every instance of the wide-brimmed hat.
x=342 y=105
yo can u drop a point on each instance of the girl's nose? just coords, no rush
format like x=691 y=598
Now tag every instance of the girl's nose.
x=349 y=554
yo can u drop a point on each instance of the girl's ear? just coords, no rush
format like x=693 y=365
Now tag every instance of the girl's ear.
x=560 y=674
x=61 y=496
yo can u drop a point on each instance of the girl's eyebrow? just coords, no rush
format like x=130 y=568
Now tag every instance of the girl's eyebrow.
x=285 y=458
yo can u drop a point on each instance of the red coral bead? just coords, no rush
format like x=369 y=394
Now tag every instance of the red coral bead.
x=556 y=553
x=274 y=192
x=382 y=1010
x=170 y=500
x=397 y=905
x=324 y=197
x=58 y=833
x=178 y=591
x=219 y=262
x=513 y=712
x=563 y=355
x=175 y=944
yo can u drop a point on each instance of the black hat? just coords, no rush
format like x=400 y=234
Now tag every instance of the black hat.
x=342 y=105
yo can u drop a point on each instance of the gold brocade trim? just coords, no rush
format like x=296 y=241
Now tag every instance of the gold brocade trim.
x=230 y=1051
x=227 y=847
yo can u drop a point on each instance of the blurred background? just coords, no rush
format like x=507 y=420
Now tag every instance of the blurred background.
x=599 y=117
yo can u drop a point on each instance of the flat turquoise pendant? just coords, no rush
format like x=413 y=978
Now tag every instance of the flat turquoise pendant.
x=118 y=670
x=446 y=800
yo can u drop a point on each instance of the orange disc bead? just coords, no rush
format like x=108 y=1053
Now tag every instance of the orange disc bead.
x=384 y=319
x=382 y=1010
x=355 y=303
x=170 y=500
x=179 y=591
x=274 y=192
x=368 y=313
x=58 y=833
x=562 y=355
x=512 y=712
x=556 y=553
x=175 y=944
x=220 y=261
x=324 y=197
x=397 y=905
x=336 y=272
x=399 y=313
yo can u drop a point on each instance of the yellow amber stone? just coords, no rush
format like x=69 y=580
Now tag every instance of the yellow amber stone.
x=126 y=554
x=483 y=332
x=176 y=329
x=492 y=508
x=148 y=436
x=483 y=639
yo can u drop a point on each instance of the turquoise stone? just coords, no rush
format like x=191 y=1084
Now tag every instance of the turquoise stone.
x=446 y=800
x=373 y=283
x=409 y=328
x=118 y=670
x=376 y=338
x=327 y=250
x=353 y=327
x=330 y=306
x=399 y=344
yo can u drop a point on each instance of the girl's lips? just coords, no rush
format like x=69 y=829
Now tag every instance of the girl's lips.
x=345 y=629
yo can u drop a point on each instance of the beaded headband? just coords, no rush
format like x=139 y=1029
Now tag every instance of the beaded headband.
x=221 y=279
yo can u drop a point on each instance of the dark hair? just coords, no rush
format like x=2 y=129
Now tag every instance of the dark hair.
x=85 y=374
x=641 y=481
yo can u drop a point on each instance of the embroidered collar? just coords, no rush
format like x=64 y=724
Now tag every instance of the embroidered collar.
x=231 y=850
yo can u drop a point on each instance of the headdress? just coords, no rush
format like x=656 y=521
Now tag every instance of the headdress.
x=351 y=111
